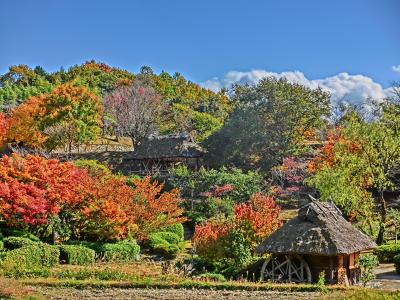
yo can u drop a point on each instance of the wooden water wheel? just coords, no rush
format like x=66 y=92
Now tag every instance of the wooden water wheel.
x=286 y=268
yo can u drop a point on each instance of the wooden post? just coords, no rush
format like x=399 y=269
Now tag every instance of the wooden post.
x=342 y=272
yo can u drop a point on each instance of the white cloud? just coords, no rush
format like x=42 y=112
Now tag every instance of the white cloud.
x=343 y=86
x=396 y=68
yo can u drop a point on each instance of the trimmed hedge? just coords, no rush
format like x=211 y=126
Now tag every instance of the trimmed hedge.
x=386 y=252
x=19 y=233
x=13 y=242
x=35 y=255
x=167 y=244
x=76 y=255
x=160 y=237
x=96 y=246
x=123 y=251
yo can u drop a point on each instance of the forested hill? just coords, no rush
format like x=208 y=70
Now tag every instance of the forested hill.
x=186 y=106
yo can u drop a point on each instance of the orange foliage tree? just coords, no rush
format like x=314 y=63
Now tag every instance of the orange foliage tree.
x=3 y=129
x=253 y=220
x=67 y=115
x=257 y=218
x=38 y=194
x=152 y=209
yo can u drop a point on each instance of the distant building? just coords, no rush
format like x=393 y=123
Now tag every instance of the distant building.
x=158 y=154
x=152 y=156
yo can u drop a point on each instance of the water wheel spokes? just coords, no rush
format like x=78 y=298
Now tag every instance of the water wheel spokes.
x=286 y=268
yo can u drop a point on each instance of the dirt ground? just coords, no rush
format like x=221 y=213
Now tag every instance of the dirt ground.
x=386 y=278
x=155 y=294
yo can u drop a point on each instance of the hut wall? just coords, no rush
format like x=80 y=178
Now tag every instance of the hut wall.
x=320 y=263
x=341 y=269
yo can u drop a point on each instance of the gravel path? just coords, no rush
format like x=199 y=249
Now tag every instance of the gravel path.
x=117 y=294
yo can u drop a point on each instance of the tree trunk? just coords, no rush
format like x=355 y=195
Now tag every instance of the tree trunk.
x=383 y=212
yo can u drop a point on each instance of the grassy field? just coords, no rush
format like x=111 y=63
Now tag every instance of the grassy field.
x=147 y=279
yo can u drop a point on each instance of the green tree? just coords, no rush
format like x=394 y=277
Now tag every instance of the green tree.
x=363 y=160
x=271 y=120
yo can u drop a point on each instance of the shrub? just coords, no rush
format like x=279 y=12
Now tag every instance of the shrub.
x=367 y=263
x=25 y=260
x=1 y=246
x=13 y=242
x=162 y=236
x=386 y=252
x=76 y=255
x=166 y=249
x=177 y=229
x=396 y=261
x=167 y=244
x=123 y=251
x=19 y=233
x=213 y=277
x=96 y=246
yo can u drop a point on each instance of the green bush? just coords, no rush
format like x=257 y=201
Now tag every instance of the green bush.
x=367 y=263
x=177 y=229
x=167 y=244
x=386 y=252
x=29 y=260
x=76 y=255
x=162 y=236
x=123 y=251
x=213 y=277
x=396 y=261
x=19 y=233
x=1 y=245
x=96 y=246
x=13 y=242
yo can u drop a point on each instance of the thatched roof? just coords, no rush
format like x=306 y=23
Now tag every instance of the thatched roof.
x=170 y=146
x=319 y=229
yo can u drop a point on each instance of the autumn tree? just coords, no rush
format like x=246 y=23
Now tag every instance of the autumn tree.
x=33 y=189
x=134 y=110
x=271 y=120
x=152 y=208
x=69 y=115
x=355 y=171
x=3 y=129
x=237 y=237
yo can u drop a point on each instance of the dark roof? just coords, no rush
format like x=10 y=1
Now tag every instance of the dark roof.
x=319 y=229
x=170 y=146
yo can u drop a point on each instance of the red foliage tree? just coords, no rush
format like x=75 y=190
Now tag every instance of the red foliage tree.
x=102 y=206
x=255 y=219
x=33 y=188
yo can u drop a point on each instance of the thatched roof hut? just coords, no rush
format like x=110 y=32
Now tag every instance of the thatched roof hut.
x=318 y=240
x=167 y=147
x=318 y=229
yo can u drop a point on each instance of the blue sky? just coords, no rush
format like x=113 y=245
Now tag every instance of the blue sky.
x=207 y=39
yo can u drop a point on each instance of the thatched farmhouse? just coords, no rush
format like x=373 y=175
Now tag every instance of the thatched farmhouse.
x=151 y=156
x=318 y=240
x=158 y=154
